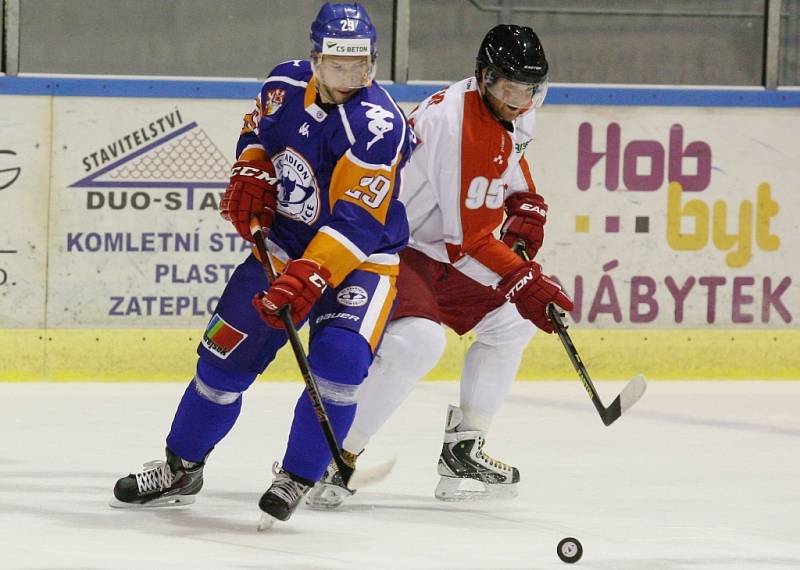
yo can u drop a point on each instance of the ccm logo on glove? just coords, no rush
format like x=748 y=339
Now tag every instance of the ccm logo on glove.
x=299 y=286
x=256 y=173
x=252 y=192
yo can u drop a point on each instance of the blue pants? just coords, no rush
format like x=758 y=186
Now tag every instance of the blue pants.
x=347 y=324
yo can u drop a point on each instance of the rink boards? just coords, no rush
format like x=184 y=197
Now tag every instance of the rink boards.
x=671 y=223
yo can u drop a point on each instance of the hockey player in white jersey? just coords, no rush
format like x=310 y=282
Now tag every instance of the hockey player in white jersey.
x=468 y=168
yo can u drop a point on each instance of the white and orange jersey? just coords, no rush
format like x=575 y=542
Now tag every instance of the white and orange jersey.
x=456 y=181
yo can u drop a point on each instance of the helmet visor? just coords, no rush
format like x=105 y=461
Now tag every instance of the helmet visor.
x=344 y=72
x=516 y=94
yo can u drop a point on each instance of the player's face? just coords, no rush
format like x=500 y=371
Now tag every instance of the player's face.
x=510 y=99
x=341 y=76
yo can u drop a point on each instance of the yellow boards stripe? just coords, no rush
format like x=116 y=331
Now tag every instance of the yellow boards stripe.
x=111 y=355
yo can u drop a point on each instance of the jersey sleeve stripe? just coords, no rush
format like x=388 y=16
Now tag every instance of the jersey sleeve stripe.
x=384 y=258
x=348 y=131
x=526 y=174
x=342 y=239
x=334 y=255
x=399 y=112
x=286 y=79
x=366 y=165
x=253 y=152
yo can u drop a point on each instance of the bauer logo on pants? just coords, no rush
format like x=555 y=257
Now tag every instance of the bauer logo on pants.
x=353 y=296
x=221 y=338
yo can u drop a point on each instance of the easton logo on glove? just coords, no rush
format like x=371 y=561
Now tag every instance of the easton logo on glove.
x=534 y=209
x=526 y=216
x=520 y=285
x=531 y=292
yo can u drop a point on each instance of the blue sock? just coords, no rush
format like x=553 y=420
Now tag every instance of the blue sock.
x=200 y=423
x=307 y=453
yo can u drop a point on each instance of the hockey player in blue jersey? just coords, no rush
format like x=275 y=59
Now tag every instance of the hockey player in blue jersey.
x=319 y=162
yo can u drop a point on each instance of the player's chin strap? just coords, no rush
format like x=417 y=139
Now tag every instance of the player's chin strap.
x=632 y=391
x=350 y=477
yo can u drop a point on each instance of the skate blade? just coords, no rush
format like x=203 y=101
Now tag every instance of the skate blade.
x=325 y=497
x=457 y=489
x=176 y=501
x=265 y=521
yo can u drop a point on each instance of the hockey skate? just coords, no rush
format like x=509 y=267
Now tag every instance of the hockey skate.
x=160 y=484
x=467 y=472
x=331 y=491
x=282 y=497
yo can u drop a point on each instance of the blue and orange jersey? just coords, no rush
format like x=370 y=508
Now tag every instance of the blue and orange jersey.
x=338 y=167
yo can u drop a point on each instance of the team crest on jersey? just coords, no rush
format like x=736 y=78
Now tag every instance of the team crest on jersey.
x=353 y=296
x=298 y=194
x=273 y=100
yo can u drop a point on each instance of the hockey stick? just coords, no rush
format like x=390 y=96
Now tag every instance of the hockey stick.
x=351 y=477
x=629 y=395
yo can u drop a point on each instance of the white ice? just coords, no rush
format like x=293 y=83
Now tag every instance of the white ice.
x=698 y=475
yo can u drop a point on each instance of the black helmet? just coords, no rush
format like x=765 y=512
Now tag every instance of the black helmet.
x=514 y=52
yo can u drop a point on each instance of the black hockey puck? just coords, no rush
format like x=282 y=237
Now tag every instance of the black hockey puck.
x=569 y=550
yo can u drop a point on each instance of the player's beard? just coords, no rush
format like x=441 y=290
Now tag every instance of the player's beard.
x=334 y=96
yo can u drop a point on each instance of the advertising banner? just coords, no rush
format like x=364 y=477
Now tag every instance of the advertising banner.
x=672 y=217
x=671 y=227
x=137 y=185
x=24 y=192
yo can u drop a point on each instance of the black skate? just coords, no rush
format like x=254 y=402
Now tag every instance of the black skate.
x=160 y=484
x=467 y=472
x=282 y=497
x=330 y=491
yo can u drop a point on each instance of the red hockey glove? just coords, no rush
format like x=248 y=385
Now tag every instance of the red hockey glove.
x=252 y=191
x=527 y=214
x=531 y=292
x=299 y=286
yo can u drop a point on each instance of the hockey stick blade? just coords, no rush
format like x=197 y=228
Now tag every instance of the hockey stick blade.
x=367 y=476
x=630 y=394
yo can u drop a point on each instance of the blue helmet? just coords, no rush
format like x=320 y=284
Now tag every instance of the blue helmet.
x=347 y=22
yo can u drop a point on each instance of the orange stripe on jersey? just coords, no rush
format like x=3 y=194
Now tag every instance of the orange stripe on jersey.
x=253 y=154
x=369 y=188
x=526 y=174
x=383 y=318
x=332 y=255
x=485 y=148
x=380 y=269
x=277 y=264
x=311 y=93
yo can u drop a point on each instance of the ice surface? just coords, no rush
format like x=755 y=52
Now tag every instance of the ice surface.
x=700 y=475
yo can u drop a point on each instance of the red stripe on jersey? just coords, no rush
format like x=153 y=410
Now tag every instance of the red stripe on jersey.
x=485 y=148
x=526 y=173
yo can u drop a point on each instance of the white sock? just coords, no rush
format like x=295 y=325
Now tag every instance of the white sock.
x=491 y=365
x=411 y=347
